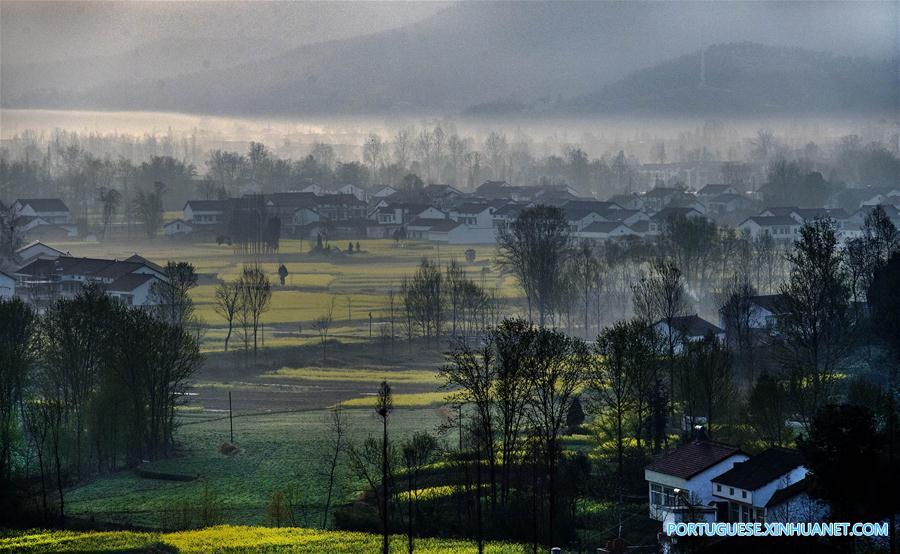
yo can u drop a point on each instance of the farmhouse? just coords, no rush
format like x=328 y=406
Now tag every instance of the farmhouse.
x=779 y=227
x=679 y=483
x=37 y=250
x=205 y=212
x=747 y=487
x=603 y=230
x=177 y=227
x=45 y=280
x=690 y=328
x=51 y=210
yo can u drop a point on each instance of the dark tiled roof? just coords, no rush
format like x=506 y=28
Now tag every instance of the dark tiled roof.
x=292 y=199
x=129 y=282
x=782 y=495
x=424 y=222
x=673 y=211
x=781 y=210
x=769 y=302
x=138 y=259
x=765 y=467
x=207 y=205
x=603 y=227
x=690 y=459
x=445 y=225
x=695 y=326
x=577 y=213
x=821 y=213
x=772 y=220
x=714 y=189
x=44 y=204
x=471 y=208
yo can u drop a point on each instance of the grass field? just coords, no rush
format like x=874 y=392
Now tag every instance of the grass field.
x=278 y=451
x=232 y=539
x=358 y=283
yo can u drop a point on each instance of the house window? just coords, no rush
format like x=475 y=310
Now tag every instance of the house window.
x=743 y=494
x=661 y=495
x=759 y=514
x=731 y=491
x=718 y=488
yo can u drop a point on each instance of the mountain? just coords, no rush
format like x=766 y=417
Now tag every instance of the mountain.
x=751 y=79
x=472 y=53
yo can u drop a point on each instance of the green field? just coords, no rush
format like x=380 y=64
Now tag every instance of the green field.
x=233 y=539
x=363 y=280
x=277 y=452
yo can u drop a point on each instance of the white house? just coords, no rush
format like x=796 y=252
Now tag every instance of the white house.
x=7 y=286
x=37 y=250
x=765 y=311
x=133 y=288
x=51 y=210
x=779 y=227
x=355 y=191
x=205 y=212
x=472 y=214
x=748 y=486
x=44 y=280
x=603 y=230
x=177 y=227
x=690 y=328
x=680 y=483
x=452 y=232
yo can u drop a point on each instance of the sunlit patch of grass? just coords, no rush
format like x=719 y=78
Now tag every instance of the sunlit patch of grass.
x=364 y=375
x=409 y=400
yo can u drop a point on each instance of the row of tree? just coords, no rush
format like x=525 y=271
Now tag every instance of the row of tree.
x=89 y=386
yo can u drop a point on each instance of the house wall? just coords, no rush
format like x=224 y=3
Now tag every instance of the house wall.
x=7 y=287
x=472 y=235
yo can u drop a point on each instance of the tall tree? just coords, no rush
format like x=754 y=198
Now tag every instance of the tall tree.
x=557 y=370
x=815 y=332
x=534 y=247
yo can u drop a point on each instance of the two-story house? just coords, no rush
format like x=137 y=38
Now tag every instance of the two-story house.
x=52 y=210
x=680 y=482
x=747 y=488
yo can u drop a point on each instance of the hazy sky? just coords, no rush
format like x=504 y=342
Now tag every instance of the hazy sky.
x=49 y=31
x=257 y=57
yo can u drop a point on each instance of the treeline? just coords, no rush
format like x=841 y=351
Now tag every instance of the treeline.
x=444 y=302
x=584 y=285
x=89 y=386
x=241 y=303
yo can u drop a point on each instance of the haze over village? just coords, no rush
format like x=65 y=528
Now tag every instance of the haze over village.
x=448 y=276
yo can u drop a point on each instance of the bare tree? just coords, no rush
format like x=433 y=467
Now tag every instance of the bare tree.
x=337 y=429
x=228 y=298
x=322 y=324
x=256 y=292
